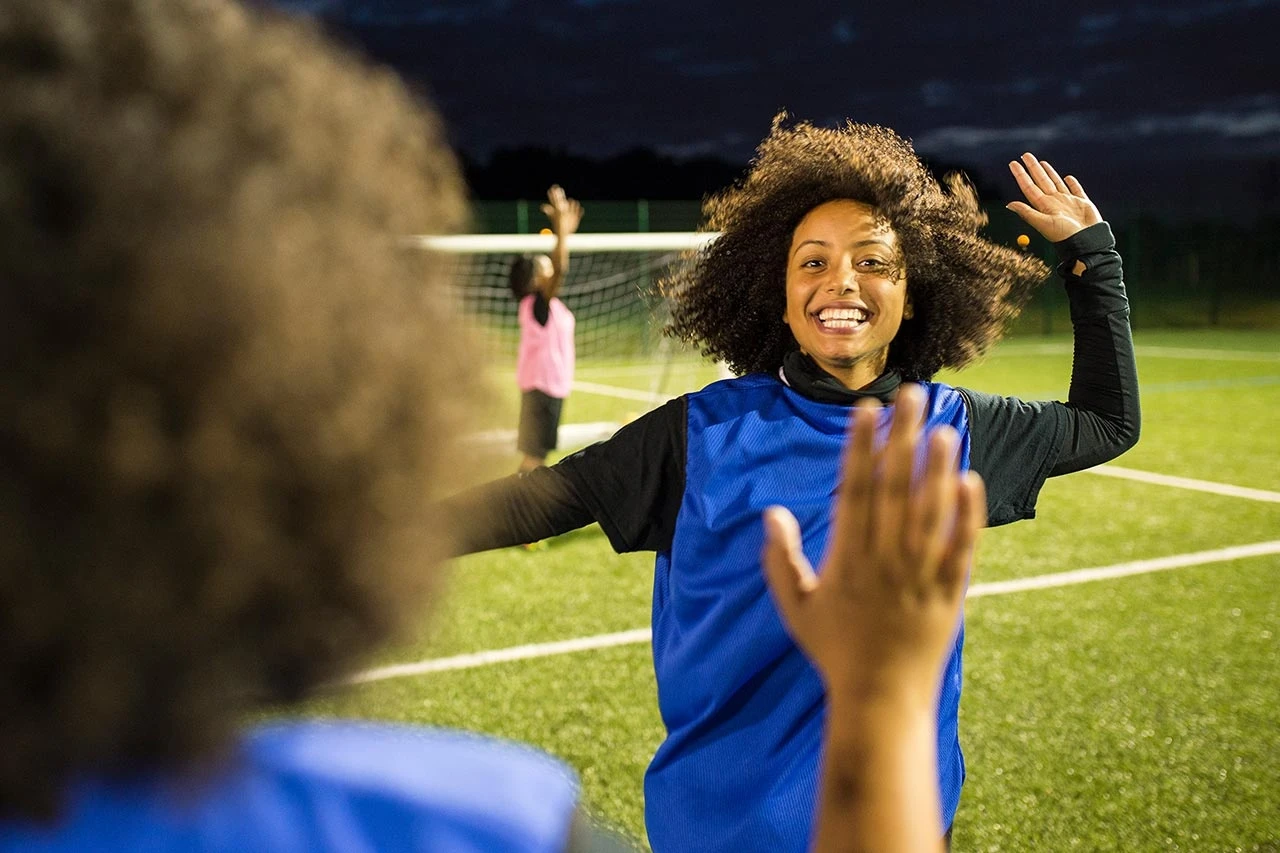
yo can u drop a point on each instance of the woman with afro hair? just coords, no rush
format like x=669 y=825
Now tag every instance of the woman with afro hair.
x=842 y=270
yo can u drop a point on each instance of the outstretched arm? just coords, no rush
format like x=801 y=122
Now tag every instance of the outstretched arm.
x=1016 y=444
x=565 y=213
x=879 y=622
x=632 y=483
x=1104 y=415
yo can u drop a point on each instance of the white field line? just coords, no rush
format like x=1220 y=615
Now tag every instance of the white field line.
x=621 y=393
x=535 y=650
x=1147 y=352
x=1120 y=570
x=570 y=435
x=652 y=369
x=644 y=635
x=1206 y=354
x=1186 y=483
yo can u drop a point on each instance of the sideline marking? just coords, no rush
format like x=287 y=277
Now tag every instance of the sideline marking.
x=653 y=368
x=1209 y=384
x=1152 y=351
x=1185 y=483
x=1206 y=354
x=534 y=650
x=621 y=393
x=570 y=435
x=1120 y=570
x=644 y=635
x=1180 y=387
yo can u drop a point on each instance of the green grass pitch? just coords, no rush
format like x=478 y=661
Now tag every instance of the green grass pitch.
x=1136 y=713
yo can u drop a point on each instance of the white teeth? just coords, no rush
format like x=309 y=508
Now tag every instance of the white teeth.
x=841 y=318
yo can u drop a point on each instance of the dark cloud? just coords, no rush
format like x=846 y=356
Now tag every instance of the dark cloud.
x=1122 y=83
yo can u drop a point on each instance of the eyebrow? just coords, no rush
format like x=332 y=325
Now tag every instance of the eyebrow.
x=871 y=241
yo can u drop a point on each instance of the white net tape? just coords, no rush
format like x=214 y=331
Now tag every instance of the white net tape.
x=610 y=287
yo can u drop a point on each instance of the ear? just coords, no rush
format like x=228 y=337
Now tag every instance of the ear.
x=908 y=310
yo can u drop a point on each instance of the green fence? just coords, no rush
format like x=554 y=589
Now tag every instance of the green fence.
x=525 y=216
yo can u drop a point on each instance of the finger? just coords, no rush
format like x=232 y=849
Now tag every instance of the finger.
x=970 y=518
x=787 y=570
x=1025 y=183
x=1037 y=173
x=1058 y=183
x=549 y=211
x=930 y=513
x=852 y=522
x=893 y=490
x=1030 y=215
x=1075 y=187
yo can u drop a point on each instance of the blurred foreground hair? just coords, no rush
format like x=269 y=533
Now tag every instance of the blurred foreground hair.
x=223 y=403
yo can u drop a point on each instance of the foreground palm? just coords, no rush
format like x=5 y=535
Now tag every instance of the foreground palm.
x=885 y=608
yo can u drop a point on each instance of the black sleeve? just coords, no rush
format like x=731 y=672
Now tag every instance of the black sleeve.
x=512 y=511
x=541 y=308
x=1105 y=418
x=631 y=483
x=1013 y=445
x=1016 y=445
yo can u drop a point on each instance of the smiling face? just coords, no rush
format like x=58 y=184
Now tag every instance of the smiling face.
x=846 y=293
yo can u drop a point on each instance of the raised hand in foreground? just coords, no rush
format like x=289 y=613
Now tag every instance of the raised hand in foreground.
x=878 y=623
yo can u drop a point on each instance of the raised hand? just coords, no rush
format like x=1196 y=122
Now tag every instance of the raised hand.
x=881 y=617
x=565 y=213
x=1056 y=207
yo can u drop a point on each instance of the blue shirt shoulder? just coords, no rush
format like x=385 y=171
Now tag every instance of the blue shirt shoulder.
x=318 y=786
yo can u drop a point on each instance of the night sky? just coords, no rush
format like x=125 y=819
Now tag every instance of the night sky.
x=1170 y=106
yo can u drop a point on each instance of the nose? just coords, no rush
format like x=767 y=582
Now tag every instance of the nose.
x=844 y=279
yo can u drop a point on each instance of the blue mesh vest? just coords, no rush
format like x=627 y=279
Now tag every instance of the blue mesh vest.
x=320 y=786
x=743 y=707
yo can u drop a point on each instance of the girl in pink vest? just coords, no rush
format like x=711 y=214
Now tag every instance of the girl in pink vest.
x=544 y=365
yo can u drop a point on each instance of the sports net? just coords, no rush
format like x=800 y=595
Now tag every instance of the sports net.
x=611 y=288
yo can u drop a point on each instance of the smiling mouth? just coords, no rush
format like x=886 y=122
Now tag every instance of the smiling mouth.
x=842 y=318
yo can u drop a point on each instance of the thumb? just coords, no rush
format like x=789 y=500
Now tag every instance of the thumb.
x=788 y=572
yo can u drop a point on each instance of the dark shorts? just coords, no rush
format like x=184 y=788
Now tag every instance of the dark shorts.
x=539 y=423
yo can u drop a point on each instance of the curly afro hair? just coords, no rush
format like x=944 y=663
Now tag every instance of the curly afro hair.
x=729 y=298
x=222 y=392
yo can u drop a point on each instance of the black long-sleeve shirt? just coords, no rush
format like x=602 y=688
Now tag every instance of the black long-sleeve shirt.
x=633 y=483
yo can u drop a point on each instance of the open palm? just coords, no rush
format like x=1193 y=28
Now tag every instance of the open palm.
x=1055 y=207
x=565 y=213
